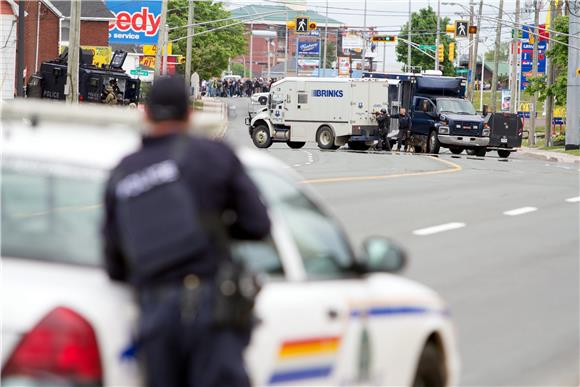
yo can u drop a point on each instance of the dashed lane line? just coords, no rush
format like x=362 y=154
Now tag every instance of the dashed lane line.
x=440 y=228
x=573 y=200
x=520 y=211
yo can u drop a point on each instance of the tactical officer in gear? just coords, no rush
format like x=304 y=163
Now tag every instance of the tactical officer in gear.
x=170 y=207
x=383 y=125
x=404 y=136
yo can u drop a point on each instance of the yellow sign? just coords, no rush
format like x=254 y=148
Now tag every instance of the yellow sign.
x=524 y=107
x=578 y=72
x=147 y=61
x=559 y=111
x=101 y=54
x=150 y=49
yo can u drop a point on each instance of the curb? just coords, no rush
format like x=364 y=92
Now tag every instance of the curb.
x=550 y=156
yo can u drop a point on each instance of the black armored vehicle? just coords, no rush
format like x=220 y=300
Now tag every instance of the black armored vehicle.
x=95 y=83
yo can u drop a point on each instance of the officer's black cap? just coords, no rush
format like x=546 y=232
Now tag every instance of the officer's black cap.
x=168 y=99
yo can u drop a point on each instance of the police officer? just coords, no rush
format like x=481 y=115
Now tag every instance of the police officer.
x=165 y=206
x=404 y=135
x=383 y=125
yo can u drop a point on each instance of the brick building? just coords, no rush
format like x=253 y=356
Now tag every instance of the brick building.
x=45 y=30
x=274 y=18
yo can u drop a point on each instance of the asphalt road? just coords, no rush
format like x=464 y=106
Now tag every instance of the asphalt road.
x=510 y=277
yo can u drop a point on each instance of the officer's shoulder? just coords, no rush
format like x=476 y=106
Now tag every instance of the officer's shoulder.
x=212 y=149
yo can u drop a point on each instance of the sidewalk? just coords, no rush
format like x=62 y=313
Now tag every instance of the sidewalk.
x=549 y=155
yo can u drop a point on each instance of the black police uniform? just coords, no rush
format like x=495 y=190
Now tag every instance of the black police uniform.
x=404 y=129
x=177 y=340
x=383 y=124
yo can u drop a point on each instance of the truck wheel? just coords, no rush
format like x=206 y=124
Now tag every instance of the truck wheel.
x=261 y=137
x=470 y=152
x=295 y=144
x=456 y=151
x=480 y=152
x=430 y=370
x=503 y=153
x=325 y=138
x=358 y=145
x=433 y=144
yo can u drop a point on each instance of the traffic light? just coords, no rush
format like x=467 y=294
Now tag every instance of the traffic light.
x=311 y=26
x=291 y=24
x=384 y=38
x=441 y=53
x=472 y=29
x=451 y=55
x=450 y=28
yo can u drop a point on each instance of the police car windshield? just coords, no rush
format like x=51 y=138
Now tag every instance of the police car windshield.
x=51 y=212
x=457 y=106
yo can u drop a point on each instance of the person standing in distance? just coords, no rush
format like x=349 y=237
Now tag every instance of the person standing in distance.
x=404 y=135
x=168 y=209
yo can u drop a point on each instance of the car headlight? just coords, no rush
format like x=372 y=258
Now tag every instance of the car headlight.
x=444 y=130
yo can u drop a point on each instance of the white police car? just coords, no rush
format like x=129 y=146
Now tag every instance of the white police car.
x=321 y=322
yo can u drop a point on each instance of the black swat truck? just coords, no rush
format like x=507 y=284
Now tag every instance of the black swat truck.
x=507 y=130
x=50 y=81
x=441 y=115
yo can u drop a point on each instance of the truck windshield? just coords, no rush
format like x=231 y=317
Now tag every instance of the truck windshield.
x=458 y=106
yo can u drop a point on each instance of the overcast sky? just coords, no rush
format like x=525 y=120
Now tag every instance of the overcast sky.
x=390 y=15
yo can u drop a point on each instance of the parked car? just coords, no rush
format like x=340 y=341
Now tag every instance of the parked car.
x=328 y=315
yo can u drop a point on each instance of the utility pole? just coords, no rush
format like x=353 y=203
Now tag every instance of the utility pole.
x=20 y=50
x=365 y=37
x=160 y=38
x=286 y=49
x=573 y=93
x=325 y=38
x=532 y=139
x=470 y=67
x=551 y=74
x=438 y=32
x=189 y=44
x=496 y=58
x=252 y=50
x=410 y=39
x=475 y=48
x=515 y=58
x=165 y=49
x=74 y=43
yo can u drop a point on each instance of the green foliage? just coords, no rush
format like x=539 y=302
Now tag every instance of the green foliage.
x=424 y=28
x=330 y=53
x=504 y=51
x=211 y=50
x=238 y=69
x=559 y=55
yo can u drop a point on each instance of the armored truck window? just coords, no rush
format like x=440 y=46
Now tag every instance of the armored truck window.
x=302 y=98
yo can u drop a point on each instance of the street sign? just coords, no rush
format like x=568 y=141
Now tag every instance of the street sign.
x=139 y=73
x=384 y=38
x=314 y=33
x=461 y=71
x=461 y=28
x=302 y=25
x=431 y=47
x=309 y=48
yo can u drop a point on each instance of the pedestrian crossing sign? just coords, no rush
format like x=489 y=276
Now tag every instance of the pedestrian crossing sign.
x=302 y=25
x=461 y=28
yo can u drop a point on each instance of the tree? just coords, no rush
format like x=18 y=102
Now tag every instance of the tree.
x=330 y=53
x=211 y=51
x=424 y=27
x=559 y=55
x=504 y=51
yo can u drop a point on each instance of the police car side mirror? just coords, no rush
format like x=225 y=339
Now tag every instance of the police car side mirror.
x=383 y=255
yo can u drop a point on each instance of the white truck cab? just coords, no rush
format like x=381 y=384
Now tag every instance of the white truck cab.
x=330 y=111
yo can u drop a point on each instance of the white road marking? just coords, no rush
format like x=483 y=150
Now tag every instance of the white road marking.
x=573 y=200
x=439 y=228
x=296 y=165
x=520 y=211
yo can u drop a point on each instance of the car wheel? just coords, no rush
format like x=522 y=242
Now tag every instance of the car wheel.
x=261 y=137
x=263 y=100
x=358 y=145
x=503 y=153
x=325 y=138
x=480 y=152
x=430 y=370
x=434 y=144
x=456 y=151
x=295 y=144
